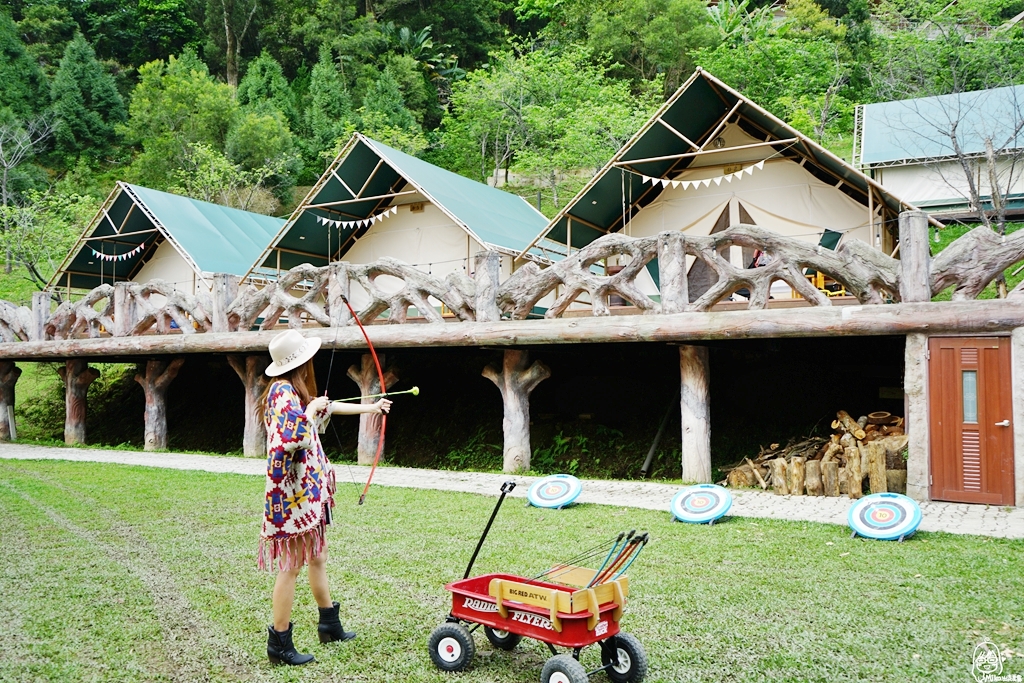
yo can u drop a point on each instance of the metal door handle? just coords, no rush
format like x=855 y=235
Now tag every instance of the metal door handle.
x=1004 y=423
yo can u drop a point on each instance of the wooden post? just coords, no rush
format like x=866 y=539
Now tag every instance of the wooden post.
x=77 y=376
x=796 y=476
x=9 y=374
x=915 y=259
x=369 y=423
x=854 y=478
x=672 y=268
x=780 y=483
x=159 y=374
x=917 y=419
x=812 y=478
x=40 y=314
x=830 y=478
x=124 y=310
x=695 y=406
x=516 y=380
x=250 y=370
x=338 y=288
x=487 y=274
x=876 y=468
x=225 y=290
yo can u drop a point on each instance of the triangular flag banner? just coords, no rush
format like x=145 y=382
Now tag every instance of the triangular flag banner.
x=665 y=182
x=760 y=165
x=394 y=210
x=737 y=174
x=749 y=170
x=718 y=180
x=676 y=183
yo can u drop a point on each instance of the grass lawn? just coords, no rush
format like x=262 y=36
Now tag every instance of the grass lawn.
x=114 y=573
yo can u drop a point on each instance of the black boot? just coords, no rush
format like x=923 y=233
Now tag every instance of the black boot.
x=280 y=649
x=330 y=627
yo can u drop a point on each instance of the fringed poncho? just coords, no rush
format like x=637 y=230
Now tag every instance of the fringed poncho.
x=300 y=483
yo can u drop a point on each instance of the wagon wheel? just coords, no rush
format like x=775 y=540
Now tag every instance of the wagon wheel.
x=563 y=669
x=451 y=647
x=503 y=640
x=632 y=665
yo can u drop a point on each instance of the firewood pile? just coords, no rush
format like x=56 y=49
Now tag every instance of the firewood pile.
x=868 y=451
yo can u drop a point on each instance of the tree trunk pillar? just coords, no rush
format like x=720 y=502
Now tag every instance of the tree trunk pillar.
x=40 y=314
x=250 y=370
x=9 y=374
x=159 y=374
x=365 y=375
x=695 y=404
x=675 y=296
x=915 y=387
x=516 y=380
x=338 y=287
x=915 y=258
x=487 y=276
x=225 y=290
x=77 y=376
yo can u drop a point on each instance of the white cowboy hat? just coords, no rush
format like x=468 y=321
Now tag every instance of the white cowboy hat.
x=289 y=350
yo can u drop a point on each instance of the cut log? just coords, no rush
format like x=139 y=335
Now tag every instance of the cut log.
x=830 y=478
x=516 y=379
x=779 y=480
x=365 y=376
x=894 y=445
x=759 y=474
x=158 y=376
x=843 y=490
x=896 y=481
x=863 y=449
x=831 y=451
x=854 y=479
x=812 y=478
x=741 y=477
x=9 y=374
x=847 y=440
x=77 y=376
x=876 y=468
x=879 y=418
x=847 y=423
x=250 y=370
x=796 y=476
x=862 y=421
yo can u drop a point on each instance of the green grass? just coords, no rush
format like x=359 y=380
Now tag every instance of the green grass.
x=113 y=573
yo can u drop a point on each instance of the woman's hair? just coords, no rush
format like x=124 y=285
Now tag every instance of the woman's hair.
x=302 y=379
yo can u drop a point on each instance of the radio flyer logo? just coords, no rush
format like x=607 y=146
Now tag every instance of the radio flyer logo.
x=987 y=665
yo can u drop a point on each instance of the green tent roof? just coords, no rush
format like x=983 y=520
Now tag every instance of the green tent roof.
x=213 y=238
x=693 y=114
x=371 y=169
x=913 y=130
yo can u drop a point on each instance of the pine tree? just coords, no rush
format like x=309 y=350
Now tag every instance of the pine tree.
x=85 y=101
x=22 y=83
x=265 y=89
x=384 y=107
x=330 y=108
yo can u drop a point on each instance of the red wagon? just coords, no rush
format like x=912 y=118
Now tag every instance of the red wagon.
x=570 y=614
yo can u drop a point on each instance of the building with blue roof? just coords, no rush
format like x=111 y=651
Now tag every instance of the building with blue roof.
x=141 y=234
x=917 y=149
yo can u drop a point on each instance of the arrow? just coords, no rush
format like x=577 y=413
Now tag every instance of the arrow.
x=415 y=391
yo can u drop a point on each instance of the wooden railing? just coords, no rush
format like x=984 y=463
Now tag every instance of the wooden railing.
x=309 y=295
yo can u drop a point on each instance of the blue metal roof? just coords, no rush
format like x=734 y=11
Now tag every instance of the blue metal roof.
x=918 y=129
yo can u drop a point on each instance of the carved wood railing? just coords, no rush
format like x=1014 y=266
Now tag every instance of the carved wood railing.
x=310 y=295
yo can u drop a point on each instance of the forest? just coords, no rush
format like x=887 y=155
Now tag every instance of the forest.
x=244 y=102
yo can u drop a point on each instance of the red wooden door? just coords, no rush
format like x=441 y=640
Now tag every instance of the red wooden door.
x=971 y=420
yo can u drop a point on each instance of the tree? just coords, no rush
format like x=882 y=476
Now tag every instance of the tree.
x=23 y=89
x=41 y=229
x=174 y=105
x=86 y=102
x=47 y=27
x=208 y=175
x=385 y=117
x=264 y=88
x=330 y=106
x=19 y=140
x=232 y=20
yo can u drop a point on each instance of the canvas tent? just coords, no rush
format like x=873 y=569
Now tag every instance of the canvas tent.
x=141 y=234
x=907 y=146
x=710 y=158
x=374 y=201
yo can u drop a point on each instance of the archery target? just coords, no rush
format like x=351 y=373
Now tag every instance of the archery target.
x=701 y=504
x=884 y=516
x=555 y=491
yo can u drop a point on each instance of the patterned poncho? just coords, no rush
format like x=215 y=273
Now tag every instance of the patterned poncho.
x=300 y=482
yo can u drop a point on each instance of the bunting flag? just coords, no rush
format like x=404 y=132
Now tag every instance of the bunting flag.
x=118 y=257
x=705 y=182
x=358 y=223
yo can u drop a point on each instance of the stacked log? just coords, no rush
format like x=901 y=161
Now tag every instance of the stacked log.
x=868 y=450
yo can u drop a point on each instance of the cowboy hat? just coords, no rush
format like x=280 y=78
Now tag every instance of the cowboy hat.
x=289 y=350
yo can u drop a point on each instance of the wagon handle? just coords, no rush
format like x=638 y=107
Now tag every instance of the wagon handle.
x=505 y=488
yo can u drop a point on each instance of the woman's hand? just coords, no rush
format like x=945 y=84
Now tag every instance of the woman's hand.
x=317 y=406
x=382 y=406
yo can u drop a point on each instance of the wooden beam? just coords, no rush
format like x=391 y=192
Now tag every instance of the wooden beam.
x=343 y=183
x=687 y=155
x=990 y=316
x=380 y=162
x=675 y=132
x=121 y=234
x=721 y=125
x=357 y=200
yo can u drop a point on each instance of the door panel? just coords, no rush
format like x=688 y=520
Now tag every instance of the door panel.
x=971 y=420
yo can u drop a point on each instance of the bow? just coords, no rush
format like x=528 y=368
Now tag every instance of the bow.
x=384 y=390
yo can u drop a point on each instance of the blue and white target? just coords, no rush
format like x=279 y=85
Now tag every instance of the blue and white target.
x=701 y=504
x=884 y=516
x=555 y=491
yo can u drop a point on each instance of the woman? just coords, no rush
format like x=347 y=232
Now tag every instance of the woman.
x=300 y=490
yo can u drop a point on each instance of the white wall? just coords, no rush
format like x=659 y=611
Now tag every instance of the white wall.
x=946 y=181
x=167 y=264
